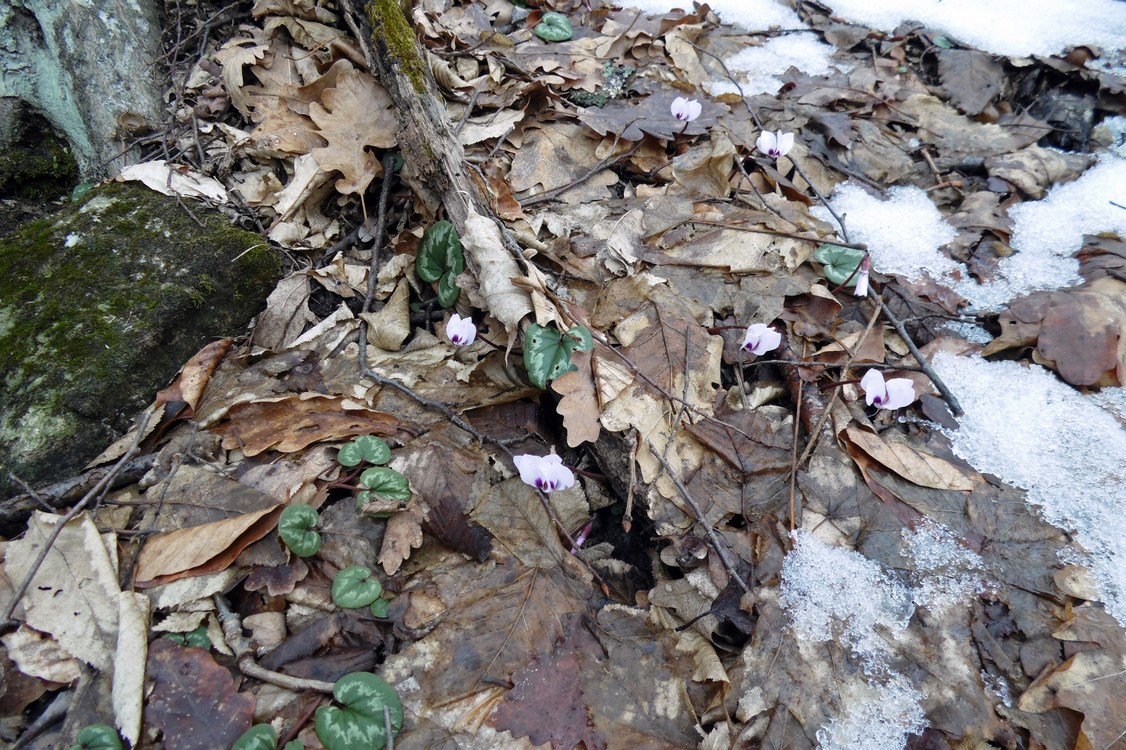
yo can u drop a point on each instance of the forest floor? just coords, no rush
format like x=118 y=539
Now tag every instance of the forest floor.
x=752 y=554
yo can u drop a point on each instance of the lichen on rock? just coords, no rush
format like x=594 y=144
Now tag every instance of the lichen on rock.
x=100 y=305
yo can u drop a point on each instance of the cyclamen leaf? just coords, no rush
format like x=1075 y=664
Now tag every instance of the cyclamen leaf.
x=380 y=607
x=439 y=252
x=258 y=737
x=369 y=448
x=295 y=527
x=554 y=27
x=354 y=587
x=385 y=482
x=448 y=290
x=547 y=353
x=360 y=723
x=839 y=262
x=98 y=737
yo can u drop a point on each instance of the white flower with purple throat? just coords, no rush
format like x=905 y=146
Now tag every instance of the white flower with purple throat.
x=545 y=473
x=760 y=339
x=686 y=110
x=775 y=144
x=890 y=394
x=461 y=331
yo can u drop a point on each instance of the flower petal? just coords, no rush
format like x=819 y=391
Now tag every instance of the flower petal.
x=900 y=392
x=874 y=389
x=766 y=142
x=861 y=289
x=785 y=142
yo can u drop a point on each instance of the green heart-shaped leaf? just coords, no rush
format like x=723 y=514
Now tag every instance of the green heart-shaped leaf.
x=197 y=638
x=554 y=27
x=258 y=737
x=838 y=263
x=295 y=527
x=98 y=737
x=360 y=723
x=387 y=483
x=439 y=252
x=294 y=745
x=380 y=607
x=547 y=353
x=448 y=290
x=354 y=587
x=368 y=448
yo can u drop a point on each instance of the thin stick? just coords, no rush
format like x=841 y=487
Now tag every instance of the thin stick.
x=924 y=365
x=244 y=655
x=717 y=544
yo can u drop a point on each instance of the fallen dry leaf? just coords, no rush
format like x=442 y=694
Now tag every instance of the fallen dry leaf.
x=201 y=549
x=292 y=423
x=404 y=533
x=910 y=463
x=193 y=701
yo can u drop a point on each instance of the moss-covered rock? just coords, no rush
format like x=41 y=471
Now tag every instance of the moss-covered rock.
x=100 y=305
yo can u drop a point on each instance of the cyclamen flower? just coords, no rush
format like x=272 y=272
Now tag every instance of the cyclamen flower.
x=544 y=472
x=775 y=144
x=686 y=110
x=892 y=394
x=861 y=289
x=761 y=339
x=461 y=331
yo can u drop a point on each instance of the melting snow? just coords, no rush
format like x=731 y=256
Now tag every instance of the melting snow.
x=753 y=15
x=875 y=717
x=1030 y=27
x=1033 y=431
x=758 y=69
x=903 y=233
x=949 y=573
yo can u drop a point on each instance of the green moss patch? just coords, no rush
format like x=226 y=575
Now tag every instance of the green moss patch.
x=100 y=305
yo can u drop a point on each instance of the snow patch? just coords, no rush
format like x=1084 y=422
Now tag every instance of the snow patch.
x=875 y=717
x=759 y=69
x=948 y=572
x=833 y=592
x=1047 y=233
x=753 y=15
x=1031 y=27
x=903 y=232
x=1034 y=431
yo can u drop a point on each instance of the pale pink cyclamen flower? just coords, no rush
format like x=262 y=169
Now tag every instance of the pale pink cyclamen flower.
x=892 y=394
x=775 y=144
x=686 y=110
x=544 y=472
x=761 y=339
x=461 y=331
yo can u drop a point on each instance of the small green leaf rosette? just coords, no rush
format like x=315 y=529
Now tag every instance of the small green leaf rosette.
x=440 y=259
x=97 y=737
x=838 y=263
x=547 y=353
x=360 y=723
x=197 y=638
x=258 y=737
x=354 y=587
x=296 y=528
x=366 y=448
x=554 y=27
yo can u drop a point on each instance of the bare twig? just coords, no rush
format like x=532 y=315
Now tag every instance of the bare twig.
x=717 y=544
x=924 y=365
x=244 y=655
